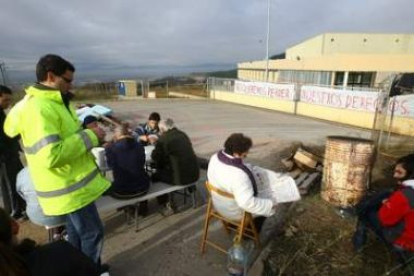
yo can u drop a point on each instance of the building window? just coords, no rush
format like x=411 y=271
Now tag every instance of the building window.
x=305 y=77
x=339 y=78
x=360 y=79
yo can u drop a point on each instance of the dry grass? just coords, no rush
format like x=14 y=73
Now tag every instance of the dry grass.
x=318 y=242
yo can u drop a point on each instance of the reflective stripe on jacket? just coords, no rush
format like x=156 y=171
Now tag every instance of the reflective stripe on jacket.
x=57 y=151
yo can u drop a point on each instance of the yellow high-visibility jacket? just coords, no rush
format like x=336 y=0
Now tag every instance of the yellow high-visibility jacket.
x=63 y=170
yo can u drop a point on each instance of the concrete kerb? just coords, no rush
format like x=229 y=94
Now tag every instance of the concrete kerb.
x=185 y=96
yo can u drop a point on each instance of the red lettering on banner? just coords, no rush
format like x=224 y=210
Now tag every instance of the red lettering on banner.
x=405 y=110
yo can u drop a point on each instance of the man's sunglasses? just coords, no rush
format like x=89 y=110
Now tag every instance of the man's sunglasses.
x=66 y=79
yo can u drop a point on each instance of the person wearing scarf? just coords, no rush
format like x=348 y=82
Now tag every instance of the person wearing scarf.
x=227 y=172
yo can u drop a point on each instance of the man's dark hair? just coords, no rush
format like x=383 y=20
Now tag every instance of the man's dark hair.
x=407 y=162
x=237 y=143
x=5 y=90
x=52 y=63
x=154 y=116
x=88 y=120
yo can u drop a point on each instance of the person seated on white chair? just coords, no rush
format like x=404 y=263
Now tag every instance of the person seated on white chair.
x=227 y=172
x=25 y=188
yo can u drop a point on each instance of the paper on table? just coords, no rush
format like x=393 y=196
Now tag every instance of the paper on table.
x=276 y=186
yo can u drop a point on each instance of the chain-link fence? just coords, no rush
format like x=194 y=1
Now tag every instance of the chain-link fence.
x=98 y=90
x=221 y=84
x=174 y=88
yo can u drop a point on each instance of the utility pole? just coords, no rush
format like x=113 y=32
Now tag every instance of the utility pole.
x=267 y=40
x=3 y=73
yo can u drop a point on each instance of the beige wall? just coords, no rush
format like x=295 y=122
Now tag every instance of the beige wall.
x=309 y=48
x=352 y=43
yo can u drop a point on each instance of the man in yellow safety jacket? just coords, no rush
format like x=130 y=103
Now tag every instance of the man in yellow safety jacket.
x=57 y=149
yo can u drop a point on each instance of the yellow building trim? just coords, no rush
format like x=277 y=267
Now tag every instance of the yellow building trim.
x=339 y=115
x=353 y=43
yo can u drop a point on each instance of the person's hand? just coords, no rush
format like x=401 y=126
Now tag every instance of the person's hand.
x=384 y=201
x=107 y=144
x=100 y=133
x=143 y=138
x=152 y=139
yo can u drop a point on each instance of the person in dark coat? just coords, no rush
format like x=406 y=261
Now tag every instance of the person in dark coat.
x=25 y=258
x=126 y=157
x=10 y=163
x=175 y=160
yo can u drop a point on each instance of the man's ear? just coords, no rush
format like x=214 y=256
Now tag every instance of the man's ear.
x=15 y=227
x=51 y=78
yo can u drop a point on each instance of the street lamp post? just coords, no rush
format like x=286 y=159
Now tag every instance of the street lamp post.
x=267 y=40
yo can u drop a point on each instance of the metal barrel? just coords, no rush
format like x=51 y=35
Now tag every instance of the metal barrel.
x=346 y=170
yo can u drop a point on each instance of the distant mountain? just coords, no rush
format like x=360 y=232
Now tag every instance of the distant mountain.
x=230 y=74
x=88 y=74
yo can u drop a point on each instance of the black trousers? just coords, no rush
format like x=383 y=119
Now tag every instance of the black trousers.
x=367 y=211
x=258 y=222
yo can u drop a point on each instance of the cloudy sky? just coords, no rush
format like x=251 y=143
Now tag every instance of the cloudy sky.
x=109 y=35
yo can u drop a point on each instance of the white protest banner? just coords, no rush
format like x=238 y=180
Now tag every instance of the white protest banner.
x=404 y=105
x=355 y=100
x=269 y=90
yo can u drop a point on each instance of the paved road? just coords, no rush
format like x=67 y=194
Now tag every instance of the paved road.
x=209 y=123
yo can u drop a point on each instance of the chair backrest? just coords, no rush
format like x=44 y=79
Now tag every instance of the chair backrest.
x=211 y=188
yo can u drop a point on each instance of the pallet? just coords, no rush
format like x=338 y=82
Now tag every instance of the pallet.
x=305 y=180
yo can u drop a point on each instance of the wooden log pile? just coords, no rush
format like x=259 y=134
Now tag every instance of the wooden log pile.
x=305 y=168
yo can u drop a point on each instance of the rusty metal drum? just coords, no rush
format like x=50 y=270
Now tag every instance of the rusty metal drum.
x=346 y=171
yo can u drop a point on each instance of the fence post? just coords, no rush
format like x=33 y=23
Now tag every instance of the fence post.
x=296 y=98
